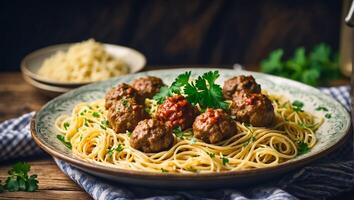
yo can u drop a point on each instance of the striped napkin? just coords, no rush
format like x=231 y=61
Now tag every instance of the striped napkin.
x=323 y=179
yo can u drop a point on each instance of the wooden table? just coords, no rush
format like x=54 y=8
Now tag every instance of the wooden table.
x=18 y=97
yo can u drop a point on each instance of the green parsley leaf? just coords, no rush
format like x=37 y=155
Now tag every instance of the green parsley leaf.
x=19 y=180
x=321 y=108
x=224 y=160
x=119 y=148
x=319 y=65
x=163 y=170
x=66 y=125
x=249 y=141
x=212 y=155
x=178 y=132
x=297 y=106
x=302 y=148
x=192 y=141
x=328 y=115
x=61 y=138
x=162 y=95
x=129 y=133
x=96 y=114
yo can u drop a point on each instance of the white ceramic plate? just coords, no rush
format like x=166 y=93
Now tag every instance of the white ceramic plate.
x=33 y=61
x=330 y=135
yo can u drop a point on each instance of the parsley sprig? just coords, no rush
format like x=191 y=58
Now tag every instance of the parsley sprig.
x=297 y=106
x=203 y=91
x=313 y=68
x=302 y=148
x=19 y=180
x=119 y=148
x=61 y=138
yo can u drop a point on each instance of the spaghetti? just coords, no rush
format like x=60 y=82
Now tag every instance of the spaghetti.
x=91 y=138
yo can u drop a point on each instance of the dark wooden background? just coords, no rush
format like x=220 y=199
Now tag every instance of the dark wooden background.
x=170 y=32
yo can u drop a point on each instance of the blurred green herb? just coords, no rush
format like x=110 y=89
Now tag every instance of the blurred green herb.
x=61 y=138
x=178 y=132
x=318 y=66
x=19 y=180
x=302 y=148
x=297 y=106
x=119 y=148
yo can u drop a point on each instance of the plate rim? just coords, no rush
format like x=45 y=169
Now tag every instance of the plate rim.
x=285 y=166
x=25 y=68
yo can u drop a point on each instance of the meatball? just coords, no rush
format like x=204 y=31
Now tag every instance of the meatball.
x=151 y=136
x=238 y=84
x=177 y=111
x=125 y=114
x=214 y=126
x=254 y=108
x=147 y=86
x=120 y=91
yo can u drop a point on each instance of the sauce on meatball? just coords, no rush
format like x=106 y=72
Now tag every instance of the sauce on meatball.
x=255 y=109
x=213 y=126
x=177 y=111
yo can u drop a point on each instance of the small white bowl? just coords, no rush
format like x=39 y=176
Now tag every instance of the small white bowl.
x=33 y=61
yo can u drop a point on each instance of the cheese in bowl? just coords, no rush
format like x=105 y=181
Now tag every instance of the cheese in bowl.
x=86 y=61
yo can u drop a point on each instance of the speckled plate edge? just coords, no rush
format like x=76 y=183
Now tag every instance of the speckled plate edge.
x=286 y=166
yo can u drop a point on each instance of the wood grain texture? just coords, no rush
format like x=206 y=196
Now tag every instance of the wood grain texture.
x=17 y=97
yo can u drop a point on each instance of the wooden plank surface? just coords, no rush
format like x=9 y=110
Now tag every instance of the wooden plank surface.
x=16 y=98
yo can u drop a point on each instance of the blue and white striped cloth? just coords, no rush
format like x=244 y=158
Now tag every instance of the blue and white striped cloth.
x=323 y=179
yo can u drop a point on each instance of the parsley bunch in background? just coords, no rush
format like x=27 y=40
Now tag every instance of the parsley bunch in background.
x=314 y=68
x=19 y=180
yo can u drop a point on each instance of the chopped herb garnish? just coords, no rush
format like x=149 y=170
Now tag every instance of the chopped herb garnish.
x=163 y=170
x=178 y=132
x=85 y=122
x=81 y=113
x=321 y=108
x=19 y=180
x=96 y=114
x=249 y=141
x=129 y=133
x=302 y=148
x=297 y=106
x=119 y=148
x=212 y=155
x=125 y=102
x=103 y=127
x=81 y=137
x=224 y=160
x=61 y=138
x=192 y=141
x=66 y=125
x=328 y=115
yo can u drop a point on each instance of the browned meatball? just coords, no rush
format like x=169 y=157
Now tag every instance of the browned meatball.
x=147 y=86
x=177 y=111
x=151 y=136
x=238 y=84
x=255 y=109
x=214 y=126
x=118 y=92
x=125 y=114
